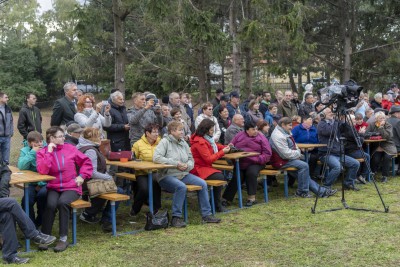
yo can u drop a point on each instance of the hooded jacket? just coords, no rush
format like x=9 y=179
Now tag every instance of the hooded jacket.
x=62 y=163
x=144 y=150
x=258 y=143
x=29 y=120
x=93 y=156
x=6 y=123
x=171 y=151
x=116 y=131
x=204 y=156
x=303 y=136
x=27 y=160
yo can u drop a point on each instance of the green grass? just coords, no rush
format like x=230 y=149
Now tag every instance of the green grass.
x=280 y=233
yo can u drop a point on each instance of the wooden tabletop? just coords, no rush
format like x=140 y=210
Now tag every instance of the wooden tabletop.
x=238 y=155
x=25 y=176
x=140 y=165
x=306 y=146
x=374 y=141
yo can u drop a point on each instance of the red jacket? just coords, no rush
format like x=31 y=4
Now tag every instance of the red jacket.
x=204 y=156
x=358 y=127
x=386 y=104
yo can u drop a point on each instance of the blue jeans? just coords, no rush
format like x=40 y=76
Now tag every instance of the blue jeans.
x=358 y=155
x=305 y=183
x=178 y=188
x=39 y=197
x=5 y=148
x=333 y=162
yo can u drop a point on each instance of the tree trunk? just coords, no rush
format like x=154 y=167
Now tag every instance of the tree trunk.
x=249 y=70
x=291 y=79
x=347 y=55
x=119 y=48
x=235 y=47
x=202 y=76
x=299 y=81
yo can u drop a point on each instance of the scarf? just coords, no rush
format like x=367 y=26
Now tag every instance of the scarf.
x=211 y=140
x=307 y=127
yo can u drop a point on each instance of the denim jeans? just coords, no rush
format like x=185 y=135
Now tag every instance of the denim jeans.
x=5 y=148
x=39 y=197
x=178 y=188
x=305 y=183
x=11 y=212
x=106 y=216
x=333 y=162
x=358 y=155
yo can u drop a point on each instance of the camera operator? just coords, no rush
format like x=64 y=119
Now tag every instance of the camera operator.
x=145 y=111
x=325 y=127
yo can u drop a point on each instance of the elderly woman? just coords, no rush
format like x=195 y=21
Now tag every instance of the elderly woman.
x=176 y=115
x=377 y=102
x=87 y=116
x=61 y=161
x=89 y=145
x=144 y=150
x=223 y=122
x=254 y=112
x=208 y=114
x=205 y=151
x=249 y=140
x=382 y=152
x=144 y=112
x=173 y=150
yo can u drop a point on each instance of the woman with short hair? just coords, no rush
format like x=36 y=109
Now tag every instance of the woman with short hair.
x=254 y=112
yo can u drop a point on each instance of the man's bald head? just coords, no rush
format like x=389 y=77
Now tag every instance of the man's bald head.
x=238 y=120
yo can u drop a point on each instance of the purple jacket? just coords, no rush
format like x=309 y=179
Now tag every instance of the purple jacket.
x=257 y=143
x=62 y=163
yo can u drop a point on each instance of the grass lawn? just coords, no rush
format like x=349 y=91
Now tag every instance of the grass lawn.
x=280 y=233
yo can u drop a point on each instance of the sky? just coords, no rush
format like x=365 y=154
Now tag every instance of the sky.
x=44 y=5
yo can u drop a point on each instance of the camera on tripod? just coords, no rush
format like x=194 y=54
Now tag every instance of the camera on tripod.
x=343 y=96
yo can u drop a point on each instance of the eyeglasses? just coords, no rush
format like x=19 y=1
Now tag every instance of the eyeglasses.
x=209 y=109
x=59 y=136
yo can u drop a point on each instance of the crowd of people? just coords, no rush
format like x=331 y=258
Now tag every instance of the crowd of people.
x=166 y=131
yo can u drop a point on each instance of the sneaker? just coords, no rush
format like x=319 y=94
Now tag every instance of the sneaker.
x=211 y=219
x=329 y=192
x=351 y=187
x=88 y=218
x=61 y=246
x=302 y=195
x=384 y=179
x=250 y=203
x=16 y=260
x=361 y=179
x=177 y=222
x=42 y=239
x=106 y=227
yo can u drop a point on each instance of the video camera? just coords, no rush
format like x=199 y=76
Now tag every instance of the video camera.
x=344 y=96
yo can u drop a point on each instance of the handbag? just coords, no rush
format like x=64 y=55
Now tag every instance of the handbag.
x=160 y=220
x=115 y=156
x=97 y=187
x=105 y=147
x=276 y=160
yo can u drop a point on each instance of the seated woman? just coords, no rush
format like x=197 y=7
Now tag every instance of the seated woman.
x=205 y=151
x=306 y=133
x=176 y=115
x=223 y=121
x=382 y=152
x=253 y=141
x=144 y=150
x=37 y=191
x=61 y=161
x=254 y=112
x=173 y=150
x=89 y=145
x=287 y=154
x=89 y=116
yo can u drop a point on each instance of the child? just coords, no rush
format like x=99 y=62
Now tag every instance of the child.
x=37 y=191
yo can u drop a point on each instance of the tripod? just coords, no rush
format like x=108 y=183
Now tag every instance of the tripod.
x=333 y=136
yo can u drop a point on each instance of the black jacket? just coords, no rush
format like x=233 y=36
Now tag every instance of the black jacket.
x=119 y=137
x=63 y=112
x=29 y=120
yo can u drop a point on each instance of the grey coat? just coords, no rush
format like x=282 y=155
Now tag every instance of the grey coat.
x=395 y=122
x=230 y=133
x=387 y=133
x=140 y=118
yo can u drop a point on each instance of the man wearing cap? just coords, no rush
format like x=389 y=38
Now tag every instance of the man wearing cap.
x=218 y=94
x=145 y=111
x=73 y=133
x=64 y=109
x=394 y=120
x=223 y=101
x=234 y=107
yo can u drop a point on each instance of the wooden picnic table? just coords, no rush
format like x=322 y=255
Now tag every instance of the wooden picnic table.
x=306 y=147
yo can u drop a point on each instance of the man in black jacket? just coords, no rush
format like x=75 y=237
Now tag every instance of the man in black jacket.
x=29 y=118
x=64 y=109
x=6 y=128
x=394 y=120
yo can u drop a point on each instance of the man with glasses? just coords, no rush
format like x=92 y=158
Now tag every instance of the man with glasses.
x=29 y=118
x=6 y=128
x=208 y=114
x=287 y=108
x=64 y=109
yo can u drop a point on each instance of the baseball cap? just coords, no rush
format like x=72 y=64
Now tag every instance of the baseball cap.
x=74 y=128
x=234 y=94
x=219 y=90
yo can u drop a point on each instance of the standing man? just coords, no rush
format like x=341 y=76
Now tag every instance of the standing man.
x=234 y=107
x=218 y=94
x=175 y=102
x=29 y=118
x=64 y=109
x=265 y=102
x=287 y=108
x=394 y=120
x=6 y=128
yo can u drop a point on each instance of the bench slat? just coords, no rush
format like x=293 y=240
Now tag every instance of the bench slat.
x=114 y=197
x=269 y=172
x=80 y=204
x=215 y=182
x=222 y=167
x=126 y=175
x=191 y=187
